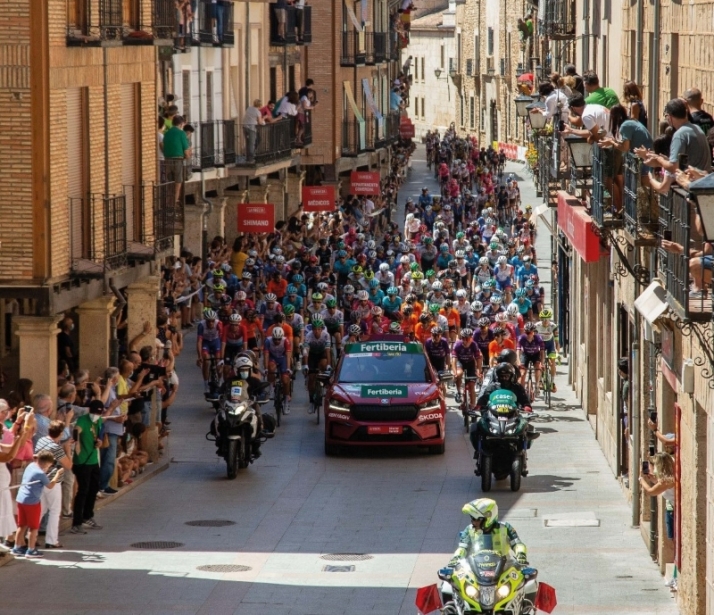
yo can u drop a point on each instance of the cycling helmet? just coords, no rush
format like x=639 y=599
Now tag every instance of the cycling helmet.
x=461 y=294
x=289 y=309
x=270 y=297
x=363 y=295
x=395 y=327
x=217 y=273
x=322 y=287
x=414 y=266
x=331 y=303
x=502 y=260
x=278 y=333
x=317 y=297
x=357 y=270
x=280 y=259
x=374 y=283
x=317 y=323
x=447 y=207
x=298 y=279
x=428 y=239
x=448 y=304
x=376 y=311
x=407 y=309
x=512 y=310
x=360 y=236
x=437 y=286
x=520 y=293
x=530 y=327
x=530 y=283
x=253 y=253
x=477 y=306
x=355 y=330
x=460 y=235
x=371 y=245
x=484 y=509
x=496 y=300
x=392 y=290
x=417 y=275
x=277 y=251
x=241 y=296
x=505 y=372
x=341 y=254
x=436 y=330
x=507 y=355
x=464 y=333
x=452 y=264
x=369 y=274
x=349 y=290
x=219 y=286
x=235 y=319
x=460 y=254
x=483 y=261
x=384 y=267
x=489 y=285
x=444 y=247
x=502 y=317
x=434 y=308
x=424 y=318
x=246 y=275
x=430 y=273
x=410 y=298
x=484 y=322
x=404 y=260
x=499 y=331
x=292 y=290
x=210 y=314
x=546 y=313
x=250 y=262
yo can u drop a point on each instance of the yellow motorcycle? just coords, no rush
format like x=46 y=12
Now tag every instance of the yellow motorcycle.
x=488 y=582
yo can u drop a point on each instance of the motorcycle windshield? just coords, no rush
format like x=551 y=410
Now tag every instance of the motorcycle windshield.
x=487 y=558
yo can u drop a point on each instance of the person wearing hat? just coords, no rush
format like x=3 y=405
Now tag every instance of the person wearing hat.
x=86 y=467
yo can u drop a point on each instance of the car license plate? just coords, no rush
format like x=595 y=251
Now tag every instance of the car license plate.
x=384 y=429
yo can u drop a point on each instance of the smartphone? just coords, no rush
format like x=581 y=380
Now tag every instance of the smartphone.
x=561 y=126
x=683 y=161
x=645 y=467
x=667 y=235
x=653 y=416
x=75 y=434
x=653 y=451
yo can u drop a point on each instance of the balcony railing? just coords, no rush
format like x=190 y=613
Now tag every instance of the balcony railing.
x=301 y=130
x=453 y=66
x=375 y=47
x=290 y=26
x=215 y=23
x=354 y=49
x=356 y=137
x=664 y=226
x=158 y=230
x=603 y=208
x=204 y=144
x=98 y=240
x=227 y=144
x=391 y=122
x=688 y=296
x=638 y=202
x=558 y=20
x=273 y=142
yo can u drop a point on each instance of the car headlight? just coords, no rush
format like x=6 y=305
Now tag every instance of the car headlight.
x=430 y=406
x=471 y=592
x=503 y=591
x=336 y=404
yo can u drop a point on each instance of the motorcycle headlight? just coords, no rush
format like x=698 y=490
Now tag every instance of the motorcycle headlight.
x=336 y=404
x=493 y=430
x=503 y=591
x=471 y=592
x=237 y=409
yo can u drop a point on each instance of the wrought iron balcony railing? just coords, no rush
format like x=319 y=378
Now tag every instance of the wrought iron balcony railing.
x=354 y=49
x=557 y=19
x=357 y=137
x=290 y=26
x=639 y=202
x=215 y=23
x=375 y=47
x=301 y=130
x=204 y=145
x=166 y=218
x=603 y=208
x=391 y=122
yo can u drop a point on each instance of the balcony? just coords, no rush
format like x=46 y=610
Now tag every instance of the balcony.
x=490 y=66
x=357 y=137
x=603 y=209
x=290 y=26
x=375 y=47
x=559 y=20
x=354 y=52
x=639 y=204
x=392 y=121
x=301 y=134
x=469 y=68
x=158 y=230
x=215 y=24
x=98 y=240
x=273 y=143
x=453 y=66
x=204 y=144
x=682 y=273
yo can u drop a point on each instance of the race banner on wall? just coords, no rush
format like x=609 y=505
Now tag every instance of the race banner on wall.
x=256 y=217
x=318 y=198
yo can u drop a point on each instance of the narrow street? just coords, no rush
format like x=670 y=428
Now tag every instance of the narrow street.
x=294 y=507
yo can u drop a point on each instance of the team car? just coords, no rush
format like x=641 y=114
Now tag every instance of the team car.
x=384 y=392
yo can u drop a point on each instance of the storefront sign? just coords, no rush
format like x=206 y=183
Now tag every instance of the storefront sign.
x=318 y=198
x=364 y=182
x=577 y=226
x=256 y=217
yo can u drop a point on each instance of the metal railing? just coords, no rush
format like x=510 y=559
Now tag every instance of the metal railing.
x=559 y=20
x=215 y=23
x=273 y=142
x=301 y=130
x=353 y=137
x=227 y=132
x=638 y=201
x=664 y=226
x=204 y=145
x=602 y=205
x=375 y=44
x=98 y=233
x=167 y=219
x=392 y=121
x=354 y=49
x=91 y=22
x=290 y=25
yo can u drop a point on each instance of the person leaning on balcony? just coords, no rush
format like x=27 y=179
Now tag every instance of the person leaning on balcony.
x=632 y=101
x=176 y=149
x=627 y=135
x=598 y=95
x=267 y=112
x=252 y=118
x=595 y=119
x=688 y=140
x=281 y=16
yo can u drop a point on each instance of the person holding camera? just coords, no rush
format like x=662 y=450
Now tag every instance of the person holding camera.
x=661 y=482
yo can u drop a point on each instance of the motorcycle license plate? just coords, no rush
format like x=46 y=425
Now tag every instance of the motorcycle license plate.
x=384 y=430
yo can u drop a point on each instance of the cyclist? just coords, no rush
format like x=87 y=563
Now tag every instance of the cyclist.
x=548 y=332
x=293 y=299
x=315 y=307
x=531 y=349
x=269 y=310
x=233 y=341
x=277 y=355
x=334 y=321
x=466 y=358
x=316 y=353
x=208 y=344
x=453 y=319
x=297 y=324
x=500 y=342
x=392 y=304
x=437 y=351
x=355 y=335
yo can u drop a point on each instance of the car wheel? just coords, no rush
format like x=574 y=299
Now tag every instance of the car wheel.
x=331 y=450
x=437 y=449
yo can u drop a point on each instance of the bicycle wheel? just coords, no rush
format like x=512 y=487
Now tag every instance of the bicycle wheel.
x=278 y=402
x=318 y=403
x=530 y=388
x=547 y=385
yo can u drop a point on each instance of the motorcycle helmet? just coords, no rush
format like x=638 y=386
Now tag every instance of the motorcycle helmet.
x=243 y=366
x=484 y=510
x=508 y=355
x=505 y=373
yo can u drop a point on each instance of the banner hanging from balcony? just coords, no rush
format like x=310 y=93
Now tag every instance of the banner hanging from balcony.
x=406 y=128
x=256 y=217
x=364 y=182
x=353 y=18
x=318 y=198
x=372 y=104
x=361 y=134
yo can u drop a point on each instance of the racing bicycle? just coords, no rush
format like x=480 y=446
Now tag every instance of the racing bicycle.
x=214 y=379
x=547 y=378
x=530 y=383
x=469 y=415
x=279 y=400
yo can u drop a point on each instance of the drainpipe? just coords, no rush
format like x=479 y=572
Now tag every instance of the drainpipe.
x=205 y=203
x=652 y=407
x=655 y=55
x=635 y=429
x=113 y=317
x=638 y=43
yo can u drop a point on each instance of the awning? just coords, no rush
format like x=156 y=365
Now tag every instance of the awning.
x=652 y=303
x=539 y=212
x=574 y=221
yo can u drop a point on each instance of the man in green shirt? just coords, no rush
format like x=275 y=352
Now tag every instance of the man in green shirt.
x=597 y=95
x=177 y=149
x=85 y=467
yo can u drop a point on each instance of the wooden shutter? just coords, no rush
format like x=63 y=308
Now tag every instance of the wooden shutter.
x=129 y=174
x=186 y=86
x=209 y=95
x=75 y=170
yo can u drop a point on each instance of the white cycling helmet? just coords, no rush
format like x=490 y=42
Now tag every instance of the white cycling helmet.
x=461 y=294
x=502 y=260
x=460 y=254
x=437 y=286
x=278 y=333
x=235 y=319
x=349 y=289
x=512 y=310
x=477 y=306
x=384 y=267
x=483 y=261
x=404 y=260
x=363 y=295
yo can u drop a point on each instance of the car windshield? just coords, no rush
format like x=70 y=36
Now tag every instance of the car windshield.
x=381 y=368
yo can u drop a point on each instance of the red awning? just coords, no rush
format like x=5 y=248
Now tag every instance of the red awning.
x=574 y=221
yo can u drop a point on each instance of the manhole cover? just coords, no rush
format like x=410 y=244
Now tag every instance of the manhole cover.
x=210 y=523
x=156 y=545
x=346 y=557
x=338 y=569
x=223 y=568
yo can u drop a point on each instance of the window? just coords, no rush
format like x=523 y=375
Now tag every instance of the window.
x=490 y=41
x=477 y=54
x=273 y=83
x=423 y=78
x=472 y=112
x=186 y=81
x=443 y=56
x=423 y=109
x=462 y=110
x=458 y=52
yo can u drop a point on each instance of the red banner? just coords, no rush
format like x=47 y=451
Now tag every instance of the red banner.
x=364 y=182
x=406 y=129
x=318 y=198
x=256 y=217
x=574 y=221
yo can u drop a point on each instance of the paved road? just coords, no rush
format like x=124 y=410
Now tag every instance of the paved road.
x=294 y=505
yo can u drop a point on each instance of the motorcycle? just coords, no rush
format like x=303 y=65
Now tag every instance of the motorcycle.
x=489 y=582
x=235 y=428
x=503 y=436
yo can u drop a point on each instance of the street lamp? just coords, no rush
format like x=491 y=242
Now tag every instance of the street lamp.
x=437 y=72
x=703 y=190
x=580 y=151
x=536 y=118
x=522 y=103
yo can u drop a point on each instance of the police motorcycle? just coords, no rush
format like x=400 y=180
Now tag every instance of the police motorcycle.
x=488 y=580
x=503 y=436
x=236 y=428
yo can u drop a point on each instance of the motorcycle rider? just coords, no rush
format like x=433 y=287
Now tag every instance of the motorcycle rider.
x=484 y=520
x=504 y=379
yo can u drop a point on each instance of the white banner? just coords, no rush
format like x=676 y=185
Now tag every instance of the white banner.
x=371 y=102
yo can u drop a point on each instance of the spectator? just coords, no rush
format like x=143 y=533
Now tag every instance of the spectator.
x=595 y=118
x=632 y=101
x=309 y=84
x=661 y=482
x=238 y=257
x=556 y=102
x=86 y=467
x=170 y=116
x=266 y=112
x=51 y=499
x=299 y=6
x=65 y=343
x=252 y=118
x=281 y=16
x=113 y=421
x=698 y=116
x=559 y=84
x=395 y=100
x=598 y=95
x=407 y=67
x=177 y=149
x=578 y=86
x=287 y=107
x=43 y=409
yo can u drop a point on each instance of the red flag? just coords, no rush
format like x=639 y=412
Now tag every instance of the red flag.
x=545 y=598
x=428 y=599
